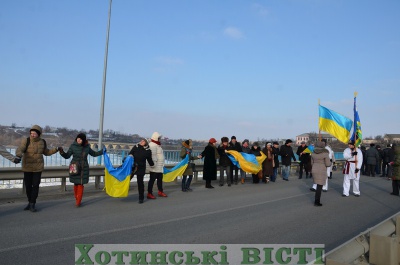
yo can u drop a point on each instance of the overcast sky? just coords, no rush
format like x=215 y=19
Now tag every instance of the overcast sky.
x=200 y=69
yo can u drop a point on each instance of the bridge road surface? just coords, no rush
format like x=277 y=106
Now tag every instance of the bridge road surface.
x=273 y=213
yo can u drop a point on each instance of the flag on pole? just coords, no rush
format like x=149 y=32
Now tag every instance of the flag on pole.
x=357 y=134
x=173 y=173
x=247 y=162
x=117 y=180
x=335 y=124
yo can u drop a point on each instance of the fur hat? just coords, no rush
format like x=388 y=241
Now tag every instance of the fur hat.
x=255 y=144
x=81 y=136
x=246 y=141
x=288 y=141
x=224 y=139
x=275 y=143
x=233 y=137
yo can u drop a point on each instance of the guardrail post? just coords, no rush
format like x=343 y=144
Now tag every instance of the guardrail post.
x=97 y=182
x=63 y=184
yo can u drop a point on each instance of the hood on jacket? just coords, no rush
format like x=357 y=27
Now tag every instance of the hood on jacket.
x=155 y=136
x=37 y=129
x=187 y=144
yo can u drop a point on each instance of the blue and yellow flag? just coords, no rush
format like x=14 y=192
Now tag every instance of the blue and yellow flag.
x=117 y=180
x=247 y=162
x=309 y=149
x=335 y=124
x=173 y=173
x=357 y=134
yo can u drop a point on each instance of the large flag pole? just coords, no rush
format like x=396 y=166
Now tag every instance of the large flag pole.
x=319 y=130
x=100 y=144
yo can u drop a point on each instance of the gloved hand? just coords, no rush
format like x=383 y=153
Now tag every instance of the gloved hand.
x=391 y=163
x=354 y=153
x=17 y=160
x=356 y=171
x=60 y=149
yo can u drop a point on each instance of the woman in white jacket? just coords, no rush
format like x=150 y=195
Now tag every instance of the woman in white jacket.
x=156 y=171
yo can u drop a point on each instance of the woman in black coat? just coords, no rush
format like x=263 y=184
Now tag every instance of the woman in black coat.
x=140 y=153
x=210 y=155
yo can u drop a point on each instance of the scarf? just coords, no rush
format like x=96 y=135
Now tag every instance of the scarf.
x=156 y=142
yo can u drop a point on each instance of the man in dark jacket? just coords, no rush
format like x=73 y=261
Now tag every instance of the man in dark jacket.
x=225 y=163
x=245 y=149
x=286 y=153
x=385 y=160
x=304 y=158
x=372 y=159
x=140 y=153
x=234 y=145
x=275 y=152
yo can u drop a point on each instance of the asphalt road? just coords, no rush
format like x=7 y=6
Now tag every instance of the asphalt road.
x=273 y=213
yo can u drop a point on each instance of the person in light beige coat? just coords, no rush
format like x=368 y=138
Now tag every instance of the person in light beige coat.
x=320 y=161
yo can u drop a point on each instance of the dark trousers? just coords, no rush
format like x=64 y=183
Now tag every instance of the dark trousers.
x=208 y=183
x=395 y=186
x=318 y=194
x=32 y=182
x=153 y=177
x=236 y=169
x=302 y=165
x=255 y=178
x=140 y=184
x=186 y=181
x=370 y=170
x=384 y=165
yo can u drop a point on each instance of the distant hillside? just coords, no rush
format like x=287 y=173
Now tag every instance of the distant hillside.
x=12 y=136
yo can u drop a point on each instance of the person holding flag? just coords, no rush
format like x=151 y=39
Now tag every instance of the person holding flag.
x=351 y=170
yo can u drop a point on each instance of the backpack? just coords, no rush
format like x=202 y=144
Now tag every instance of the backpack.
x=28 y=141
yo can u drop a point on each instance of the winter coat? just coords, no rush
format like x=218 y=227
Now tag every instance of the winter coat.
x=79 y=154
x=235 y=146
x=187 y=150
x=275 y=151
x=320 y=161
x=387 y=153
x=396 y=163
x=224 y=160
x=268 y=163
x=286 y=153
x=372 y=156
x=157 y=154
x=6 y=154
x=32 y=157
x=140 y=155
x=210 y=155
x=305 y=157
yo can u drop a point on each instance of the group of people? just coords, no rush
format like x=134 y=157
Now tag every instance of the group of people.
x=149 y=157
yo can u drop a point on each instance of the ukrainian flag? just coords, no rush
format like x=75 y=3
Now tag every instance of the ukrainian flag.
x=357 y=133
x=173 y=173
x=117 y=180
x=247 y=162
x=335 y=124
x=309 y=149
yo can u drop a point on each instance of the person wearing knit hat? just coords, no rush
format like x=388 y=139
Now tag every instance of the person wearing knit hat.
x=80 y=150
x=141 y=153
x=210 y=155
x=156 y=171
x=187 y=176
x=234 y=145
x=32 y=150
x=286 y=153
x=351 y=170
x=245 y=149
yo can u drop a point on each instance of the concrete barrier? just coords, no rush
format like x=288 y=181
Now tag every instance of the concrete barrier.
x=378 y=245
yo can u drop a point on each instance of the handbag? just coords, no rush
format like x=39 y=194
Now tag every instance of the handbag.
x=74 y=168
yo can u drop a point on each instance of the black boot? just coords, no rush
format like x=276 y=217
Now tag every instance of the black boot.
x=27 y=207
x=317 y=203
x=32 y=207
